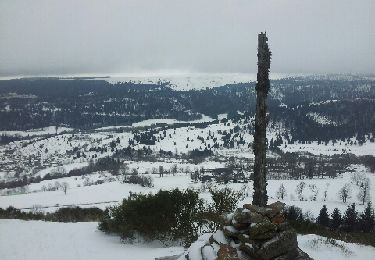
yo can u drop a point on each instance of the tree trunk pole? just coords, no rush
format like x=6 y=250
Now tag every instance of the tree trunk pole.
x=260 y=140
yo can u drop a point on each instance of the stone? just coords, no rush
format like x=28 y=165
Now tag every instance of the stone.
x=227 y=219
x=248 y=249
x=244 y=238
x=256 y=209
x=264 y=230
x=278 y=219
x=256 y=217
x=230 y=231
x=302 y=255
x=241 y=226
x=283 y=227
x=273 y=209
x=226 y=252
x=208 y=252
x=290 y=255
x=296 y=254
x=218 y=237
x=241 y=217
x=277 y=206
x=282 y=244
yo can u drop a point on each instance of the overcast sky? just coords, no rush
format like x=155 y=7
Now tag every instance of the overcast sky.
x=57 y=37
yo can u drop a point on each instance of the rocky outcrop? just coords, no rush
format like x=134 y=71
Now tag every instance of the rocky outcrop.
x=252 y=232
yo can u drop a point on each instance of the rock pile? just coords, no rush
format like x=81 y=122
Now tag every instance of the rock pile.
x=253 y=233
x=262 y=233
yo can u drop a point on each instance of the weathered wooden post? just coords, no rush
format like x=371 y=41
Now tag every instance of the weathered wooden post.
x=260 y=140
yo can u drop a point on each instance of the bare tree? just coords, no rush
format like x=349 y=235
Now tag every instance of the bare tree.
x=358 y=178
x=325 y=193
x=161 y=171
x=174 y=169
x=345 y=192
x=134 y=171
x=64 y=187
x=299 y=190
x=36 y=209
x=124 y=170
x=260 y=197
x=364 y=191
x=314 y=192
x=187 y=170
x=57 y=185
x=60 y=170
x=281 y=192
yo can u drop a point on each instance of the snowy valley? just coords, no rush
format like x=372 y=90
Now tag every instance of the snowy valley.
x=92 y=142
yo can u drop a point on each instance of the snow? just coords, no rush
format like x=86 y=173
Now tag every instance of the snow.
x=38 y=132
x=189 y=81
x=83 y=241
x=318 y=248
x=321 y=119
x=111 y=193
x=194 y=251
x=367 y=148
x=150 y=122
x=49 y=240
x=219 y=237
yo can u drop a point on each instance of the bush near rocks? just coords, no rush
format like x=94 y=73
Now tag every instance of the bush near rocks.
x=165 y=216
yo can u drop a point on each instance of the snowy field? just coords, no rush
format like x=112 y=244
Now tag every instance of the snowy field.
x=367 y=148
x=110 y=193
x=83 y=241
x=61 y=241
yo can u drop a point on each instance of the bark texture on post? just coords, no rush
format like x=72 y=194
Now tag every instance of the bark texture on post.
x=260 y=141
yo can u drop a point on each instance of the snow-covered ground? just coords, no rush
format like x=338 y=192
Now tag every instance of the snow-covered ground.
x=37 y=132
x=150 y=122
x=320 y=248
x=84 y=241
x=48 y=240
x=367 y=148
x=110 y=193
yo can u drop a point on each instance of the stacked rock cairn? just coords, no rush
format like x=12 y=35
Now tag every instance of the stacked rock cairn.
x=262 y=233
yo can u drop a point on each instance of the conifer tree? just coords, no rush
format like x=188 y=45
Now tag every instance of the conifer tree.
x=350 y=219
x=323 y=218
x=336 y=219
x=367 y=219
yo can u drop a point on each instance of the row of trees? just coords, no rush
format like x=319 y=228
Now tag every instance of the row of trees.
x=350 y=221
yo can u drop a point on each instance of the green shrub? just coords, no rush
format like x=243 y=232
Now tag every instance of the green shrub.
x=144 y=181
x=75 y=214
x=165 y=216
x=224 y=200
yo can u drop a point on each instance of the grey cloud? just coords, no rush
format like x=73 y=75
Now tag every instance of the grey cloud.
x=42 y=37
